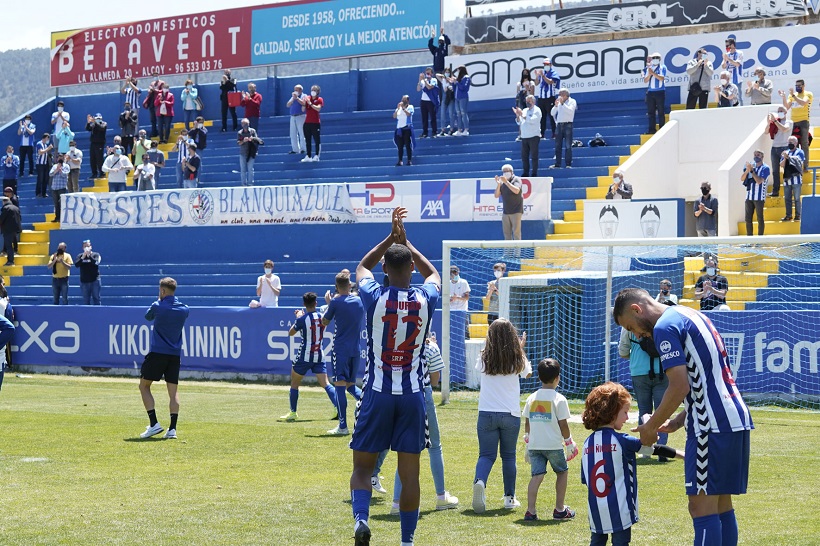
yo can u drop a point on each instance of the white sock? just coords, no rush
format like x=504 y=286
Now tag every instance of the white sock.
x=442 y=497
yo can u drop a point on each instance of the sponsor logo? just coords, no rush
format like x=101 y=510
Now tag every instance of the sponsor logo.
x=608 y=221
x=650 y=221
x=375 y=193
x=667 y=356
x=665 y=346
x=201 y=206
x=435 y=199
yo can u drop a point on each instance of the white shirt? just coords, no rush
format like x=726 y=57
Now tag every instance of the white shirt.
x=76 y=154
x=401 y=118
x=544 y=408
x=459 y=289
x=145 y=170
x=501 y=393
x=119 y=162
x=268 y=298
x=781 y=138
x=564 y=113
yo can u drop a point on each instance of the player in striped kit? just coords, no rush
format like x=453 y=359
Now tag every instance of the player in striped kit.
x=391 y=413
x=717 y=421
x=309 y=326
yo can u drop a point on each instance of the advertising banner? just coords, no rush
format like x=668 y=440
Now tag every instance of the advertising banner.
x=237 y=206
x=786 y=54
x=631 y=219
x=607 y=18
x=241 y=37
x=215 y=339
x=460 y=200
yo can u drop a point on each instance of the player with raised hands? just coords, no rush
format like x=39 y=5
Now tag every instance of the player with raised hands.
x=392 y=413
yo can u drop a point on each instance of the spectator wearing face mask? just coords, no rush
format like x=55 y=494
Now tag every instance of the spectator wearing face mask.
x=98 y=129
x=164 y=108
x=117 y=165
x=547 y=85
x=43 y=148
x=509 y=189
x=529 y=122
x=248 y=142
x=141 y=145
x=798 y=100
x=57 y=119
x=665 y=293
x=619 y=189
x=755 y=177
x=700 y=72
x=128 y=124
x=157 y=158
x=10 y=165
x=447 y=124
x=711 y=288
x=132 y=94
x=268 y=288
x=780 y=129
x=313 y=123
x=89 y=264
x=760 y=90
x=499 y=270
x=428 y=86
x=59 y=182
x=252 y=103
x=459 y=290
x=188 y=98
x=654 y=75
x=792 y=163
x=439 y=50
x=74 y=157
x=144 y=175
x=403 y=137
x=726 y=93
x=706 y=209
x=181 y=148
x=733 y=64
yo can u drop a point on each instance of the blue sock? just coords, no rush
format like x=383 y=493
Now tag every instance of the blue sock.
x=708 y=531
x=409 y=520
x=331 y=393
x=729 y=528
x=360 y=498
x=355 y=392
x=294 y=399
x=341 y=403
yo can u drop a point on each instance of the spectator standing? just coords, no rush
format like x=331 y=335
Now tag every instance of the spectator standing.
x=181 y=148
x=59 y=183
x=524 y=88
x=98 y=129
x=11 y=163
x=700 y=72
x=564 y=114
x=74 y=158
x=26 y=131
x=199 y=135
x=132 y=92
x=313 y=105
x=129 y=119
x=459 y=290
x=529 y=123
x=499 y=270
x=44 y=148
x=665 y=295
x=252 y=103
x=733 y=63
x=157 y=158
x=64 y=138
x=164 y=108
x=711 y=288
x=248 y=142
x=117 y=165
x=296 y=107
x=141 y=145
x=227 y=85
x=447 y=124
x=89 y=263
x=145 y=175
x=439 y=50
x=799 y=102
x=461 y=84
x=792 y=163
x=154 y=89
x=780 y=129
x=726 y=93
x=268 y=287
x=188 y=98
x=404 y=137
x=428 y=86
x=755 y=177
x=10 y=226
x=60 y=265
x=191 y=167
x=168 y=315
x=57 y=119
x=654 y=75
x=547 y=84
x=760 y=90
x=509 y=189
x=15 y=200
x=706 y=211
x=619 y=189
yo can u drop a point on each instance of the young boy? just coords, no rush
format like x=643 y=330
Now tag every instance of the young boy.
x=546 y=434
x=309 y=326
x=609 y=467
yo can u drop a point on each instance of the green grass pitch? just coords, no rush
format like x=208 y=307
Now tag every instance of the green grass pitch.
x=73 y=472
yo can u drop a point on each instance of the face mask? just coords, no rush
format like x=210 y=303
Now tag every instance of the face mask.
x=59 y=108
x=429 y=76
x=72 y=149
x=655 y=62
x=188 y=87
x=758 y=159
x=9 y=154
x=455 y=278
x=781 y=115
x=508 y=175
x=117 y=152
x=724 y=81
x=88 y=248
x=498 y=274
x=446 y=74
x=268 y=271
x=127 y=108
x=665 y=291
x=710 y=271
x=616 y=180
x=705 y=191
x=245 y=125
x=791 y=147
x=799 y=88
x=314 y=94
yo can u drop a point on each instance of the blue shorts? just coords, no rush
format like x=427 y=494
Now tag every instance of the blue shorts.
x=539 y=458
x=302 y=368
x=384 y=420
x=345 y=367
x=726 y=471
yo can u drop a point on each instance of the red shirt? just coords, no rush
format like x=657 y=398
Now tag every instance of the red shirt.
x=253 y=104
x=311 y=115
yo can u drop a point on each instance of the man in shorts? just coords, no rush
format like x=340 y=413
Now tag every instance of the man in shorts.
x=169 y=316
x=717 y=421
x=391 y=413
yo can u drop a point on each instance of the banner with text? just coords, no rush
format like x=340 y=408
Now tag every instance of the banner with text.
x=786 y=54
x=238 y=206
x=531 y=25
x=240 y=37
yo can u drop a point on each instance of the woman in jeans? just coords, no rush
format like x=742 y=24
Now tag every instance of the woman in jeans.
x=461 y=84
x=501 y=363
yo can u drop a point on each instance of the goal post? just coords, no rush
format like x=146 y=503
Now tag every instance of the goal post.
x=561 y=293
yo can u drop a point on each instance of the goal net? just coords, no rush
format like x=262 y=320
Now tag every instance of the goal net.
x=560 y=293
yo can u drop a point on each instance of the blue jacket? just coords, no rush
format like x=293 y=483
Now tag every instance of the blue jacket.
x=169 y=316
x=462 y=88
x=439 y=52
x=10 y=171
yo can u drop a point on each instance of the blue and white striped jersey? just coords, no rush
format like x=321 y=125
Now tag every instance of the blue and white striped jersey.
x=431 y=358
x=654 y=83
x=755 y=191
x=609 y=470
x=397 y=323
x=312 y=332
x=685 y=337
